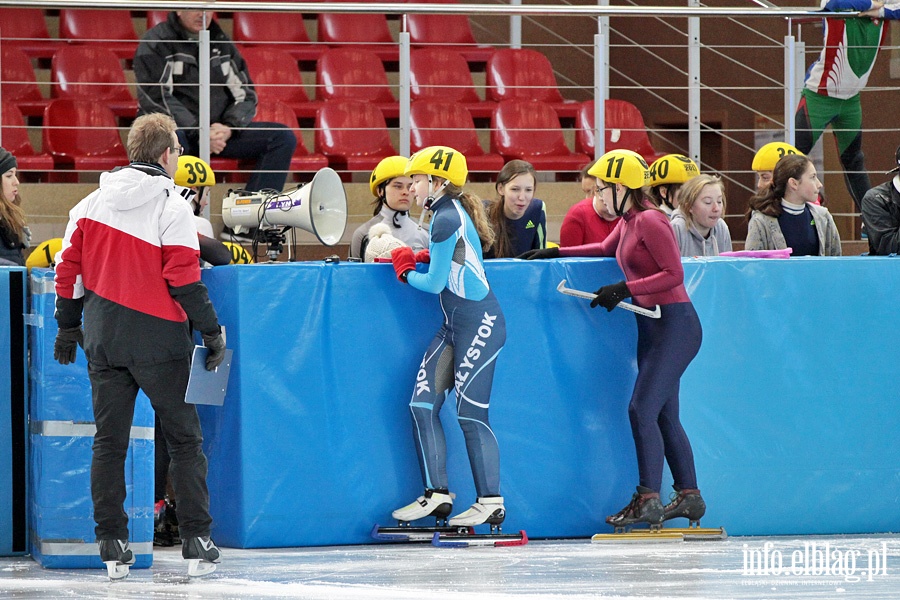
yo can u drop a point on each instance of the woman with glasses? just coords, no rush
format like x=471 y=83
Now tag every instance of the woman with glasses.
x=644 y=246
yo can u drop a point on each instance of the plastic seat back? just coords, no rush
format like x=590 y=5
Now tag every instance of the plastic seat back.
x=440 y=29
x=521 y=74
x=15 y=133
x=526 y=127
x=88 y=72
x=262 y=27
x=112 y=28
x=346 y=28
x=440 y=75
x=352 y=74
x=23 y=24
x=351 y=130
x=17 y=77
x=81 y=129
x=625 y=128
x=443 y=124
x=275 y=75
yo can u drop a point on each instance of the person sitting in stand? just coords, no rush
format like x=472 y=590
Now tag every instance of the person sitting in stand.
x=784 y=214
x=588 y=221
x=392 y=201
x=667 y=174
x=518 y=218
x=699 y=227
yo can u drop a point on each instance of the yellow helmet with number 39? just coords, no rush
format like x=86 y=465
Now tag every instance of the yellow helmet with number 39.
x=439 y=161
x=388 y=168
x=194 y=172
x=622 y=166
x=767 y=156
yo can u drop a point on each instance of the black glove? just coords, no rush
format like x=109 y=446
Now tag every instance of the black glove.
x=540 y=253
x=66 y=341
x=610 y=295
x=216 y=346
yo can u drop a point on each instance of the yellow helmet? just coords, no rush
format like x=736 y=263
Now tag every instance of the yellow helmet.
x=194 y=172
x=44 y=255
x=440 y=161
x=239 y=256
x=622 y=166
x=771 y=153
x=388 y=168
x=672 y=168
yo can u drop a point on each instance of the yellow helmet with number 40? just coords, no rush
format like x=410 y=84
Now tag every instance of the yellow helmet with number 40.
x=388 y=168
x=622 y=166
x=194 y=172
x=672 y=168
x=440 y=161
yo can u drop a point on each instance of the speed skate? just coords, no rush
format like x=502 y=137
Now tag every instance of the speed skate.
x=448 y=536
x=662 y=534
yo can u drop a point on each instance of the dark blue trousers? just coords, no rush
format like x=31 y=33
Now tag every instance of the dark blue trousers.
x=665 y=347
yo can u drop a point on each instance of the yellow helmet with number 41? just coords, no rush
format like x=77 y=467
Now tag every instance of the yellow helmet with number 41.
x=194 y=172
x=439 y=161
x=622 y=166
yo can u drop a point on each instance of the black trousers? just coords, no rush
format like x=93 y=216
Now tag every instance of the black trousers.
x=114 y=390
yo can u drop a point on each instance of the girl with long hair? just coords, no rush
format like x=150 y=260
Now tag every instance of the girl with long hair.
x=518 y=218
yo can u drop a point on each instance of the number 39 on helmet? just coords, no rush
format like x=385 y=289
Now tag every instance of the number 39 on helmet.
x=622 y=166
x=439 y=161
x=194 y=172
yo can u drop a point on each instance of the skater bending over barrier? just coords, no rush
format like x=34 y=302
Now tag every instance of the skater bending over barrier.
x=644 y=245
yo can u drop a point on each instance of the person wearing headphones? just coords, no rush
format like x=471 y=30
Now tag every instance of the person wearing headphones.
x=645 y=248
x=391 y=190
x=464 y=352
x=667 y=174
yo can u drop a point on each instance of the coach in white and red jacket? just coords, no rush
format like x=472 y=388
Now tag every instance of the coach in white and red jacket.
x=129 y=262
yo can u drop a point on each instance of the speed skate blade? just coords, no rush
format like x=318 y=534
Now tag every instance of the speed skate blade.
x=498 y=540
x=640 y=535
x=699 y=533
x=415 y=534
x=116 y=570
x=200 y=568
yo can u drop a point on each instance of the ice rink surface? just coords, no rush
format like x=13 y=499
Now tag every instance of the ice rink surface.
x=739 y=567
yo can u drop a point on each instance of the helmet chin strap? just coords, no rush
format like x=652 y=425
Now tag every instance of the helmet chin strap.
x=620 y=208
x=432 y=196
x=668 y=199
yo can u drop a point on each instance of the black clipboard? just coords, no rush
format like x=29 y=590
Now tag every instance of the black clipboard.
x=207 y=387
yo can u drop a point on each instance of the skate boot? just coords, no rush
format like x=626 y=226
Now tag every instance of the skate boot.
x=165 y=527
x=489 y=510
x=434 y=503
x=686 y=503
x=117 y=556
x=202 y=555
x=644 y=507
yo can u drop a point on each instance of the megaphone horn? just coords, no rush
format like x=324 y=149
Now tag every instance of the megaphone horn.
x=319 y=207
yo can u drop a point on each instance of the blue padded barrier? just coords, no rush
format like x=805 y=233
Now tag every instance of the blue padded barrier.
x=13 y=390
x=61 y=433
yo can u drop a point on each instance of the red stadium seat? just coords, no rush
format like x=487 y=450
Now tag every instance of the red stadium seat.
x=362 y=31
x=443 y=76
x=155 y=17
x=16 y=141
x=277 y=79
x=447 y=32
x=91 y=73
x=276 y=31
x=449 y=124
x=82 y=135
x=530 y=130
x=624 y=129
x=353 y=135
x=520 y=74
x=26 y=29
x=279 y=112
x=355 y=75
x=18 y=83
x=112 y=28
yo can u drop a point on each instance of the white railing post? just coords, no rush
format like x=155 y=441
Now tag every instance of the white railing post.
x=601 y=81
x=515 y=27
x=405 y=129
x=203 y=131
x=694 y=122
x=793 y=82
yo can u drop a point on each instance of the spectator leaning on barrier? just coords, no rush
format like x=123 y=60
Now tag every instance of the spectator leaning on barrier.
x=518 y=218
x=587 y=221
x=166 y=66
x=14 y=233
x=784 y=213
x=699 y=227
x=881 y=214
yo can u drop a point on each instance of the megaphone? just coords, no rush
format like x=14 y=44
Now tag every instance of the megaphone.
x=319 y=207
